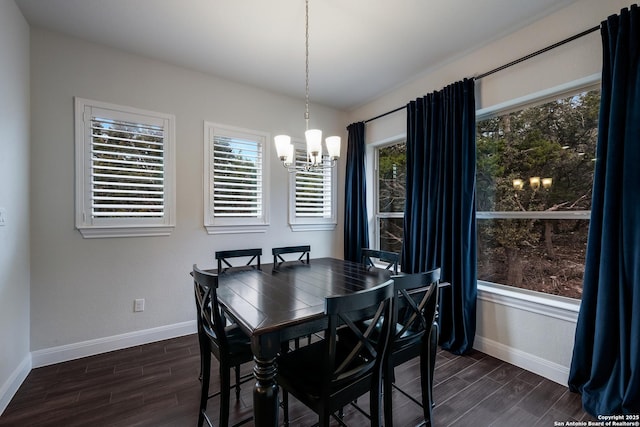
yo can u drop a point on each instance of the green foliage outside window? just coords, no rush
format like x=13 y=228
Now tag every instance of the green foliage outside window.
x=392 y=168
x=556 y=141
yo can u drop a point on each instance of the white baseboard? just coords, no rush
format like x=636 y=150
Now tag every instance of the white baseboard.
x=550 y=370
x=63 y=353
x=10 y=387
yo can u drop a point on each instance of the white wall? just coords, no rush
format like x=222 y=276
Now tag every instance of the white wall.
x=15 y=360
x=82 y=290
x=524 y=336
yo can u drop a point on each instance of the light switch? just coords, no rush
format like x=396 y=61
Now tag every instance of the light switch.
x=3 y=217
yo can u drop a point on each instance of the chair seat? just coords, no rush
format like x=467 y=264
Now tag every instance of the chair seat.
x=239 y=342
x=406 y=346
x=299 y=365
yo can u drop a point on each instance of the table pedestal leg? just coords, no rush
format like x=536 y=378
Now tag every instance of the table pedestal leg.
x=265 y=393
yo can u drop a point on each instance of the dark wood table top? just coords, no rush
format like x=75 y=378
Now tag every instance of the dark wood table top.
x=267 y=301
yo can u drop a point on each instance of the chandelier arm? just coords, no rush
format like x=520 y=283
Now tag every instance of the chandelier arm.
x=312 y=167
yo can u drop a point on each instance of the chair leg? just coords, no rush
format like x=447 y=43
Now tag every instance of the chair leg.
x=285 y=407
x=427 y=367
x=374 y=403
x=225 y=393
x=433 y=343
x=389 y=377
x=205 y=363
x=425 y=385
x=237 y=369
x=324 y=418
x=203 y=349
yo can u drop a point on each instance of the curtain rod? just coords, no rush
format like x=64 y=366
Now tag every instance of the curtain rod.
x=538 y=52
x=385 y=114
x=510 y=64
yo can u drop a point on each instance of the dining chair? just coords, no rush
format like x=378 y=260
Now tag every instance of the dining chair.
x=230 y=346
x=391 y=258
x=278 y=252
x=414 y=335
x=328 y=375
x=224 y=256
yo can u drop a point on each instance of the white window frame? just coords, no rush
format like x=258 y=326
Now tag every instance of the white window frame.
x=94 y=227
x=377 y=215
x=303 y=223
x=540 y=302
x=217 y=225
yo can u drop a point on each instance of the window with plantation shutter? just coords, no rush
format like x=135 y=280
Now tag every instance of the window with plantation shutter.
x=125 y=171
x=236 y=180
x=313 y=196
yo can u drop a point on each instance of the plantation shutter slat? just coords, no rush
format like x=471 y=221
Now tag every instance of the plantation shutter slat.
x=127 y=169
x=237 y=177
x=313 y=191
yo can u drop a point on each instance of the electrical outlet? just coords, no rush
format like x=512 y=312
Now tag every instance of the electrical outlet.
x=138 y=305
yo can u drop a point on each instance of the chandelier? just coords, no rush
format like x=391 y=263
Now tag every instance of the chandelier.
x=315 y=158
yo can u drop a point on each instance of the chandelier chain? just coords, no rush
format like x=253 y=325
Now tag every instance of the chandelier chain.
x=306 y=114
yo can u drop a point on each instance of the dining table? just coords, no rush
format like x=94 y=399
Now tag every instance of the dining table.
x=274 y=304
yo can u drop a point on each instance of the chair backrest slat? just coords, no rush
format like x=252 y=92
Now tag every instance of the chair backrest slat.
x=391 y=258
x=224 y=256
x=303 y=250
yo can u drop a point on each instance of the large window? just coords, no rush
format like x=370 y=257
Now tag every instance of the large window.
x=312 y=195
x=124 y=170
x=535 y=168
x=235 y=180
x=533 y=193
x=391 y=167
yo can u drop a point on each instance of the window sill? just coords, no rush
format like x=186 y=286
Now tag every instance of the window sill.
x=313 y=227
x=536 y=302
x=137 y=231
x=235 y=229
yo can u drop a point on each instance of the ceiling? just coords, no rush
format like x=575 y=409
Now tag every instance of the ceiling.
x=358 y=49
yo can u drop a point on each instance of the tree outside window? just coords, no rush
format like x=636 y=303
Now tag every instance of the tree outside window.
x=534 y=178
x=391 y=184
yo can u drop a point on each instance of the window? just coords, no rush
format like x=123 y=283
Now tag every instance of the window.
x=312 y=196
x=236 y=180
x=535 y=164
x=124 y=171
x=533 y=193
x=391 y=168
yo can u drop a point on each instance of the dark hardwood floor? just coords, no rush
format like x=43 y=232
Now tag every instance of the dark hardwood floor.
x=157 y=385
